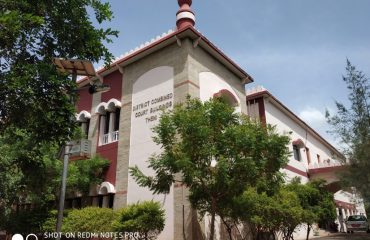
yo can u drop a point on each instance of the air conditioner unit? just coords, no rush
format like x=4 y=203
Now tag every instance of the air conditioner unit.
x=80 y=148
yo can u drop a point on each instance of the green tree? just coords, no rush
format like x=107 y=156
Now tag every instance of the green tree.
x=144 y=218
x=258 y=212
x=352 y=125
x=268 y=216
x=89 y=220
x=326 y=206
x=49 y=222
x=216 y=153
x=309 y=199
x=317 y=202
x=25 y=222
x=32 y=33
x=290 y=214
x=29 y=178
x=36 y=111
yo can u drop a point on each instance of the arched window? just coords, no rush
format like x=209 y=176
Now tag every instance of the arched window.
x=109 y=121
x=297 y=145
x=229 y=97
x=83 y=118
x=106 y=195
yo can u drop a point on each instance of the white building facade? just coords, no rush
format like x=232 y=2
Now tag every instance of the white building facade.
x=312 y=156
x=157 y=75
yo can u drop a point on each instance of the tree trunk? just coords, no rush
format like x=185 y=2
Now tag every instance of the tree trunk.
x=308 y=231
x=212 y=234
x=228 y=228
x=213 y=218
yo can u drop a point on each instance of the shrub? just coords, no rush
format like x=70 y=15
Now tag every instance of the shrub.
x=145 y=218
x=89 y=219
x=268 y=216
x=25 y=221
x=51 y=222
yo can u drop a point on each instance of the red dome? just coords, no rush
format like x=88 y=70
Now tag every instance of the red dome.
x=182 y=2
x=185 y=16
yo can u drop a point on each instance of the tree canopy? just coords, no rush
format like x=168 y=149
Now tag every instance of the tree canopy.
x=144 y=218
x=352 y=125
x=36 y=102
x=30 y=178
x=272 y=215
x=317 y=202
x=217 y=153
x=33 y=96
x=89 y=220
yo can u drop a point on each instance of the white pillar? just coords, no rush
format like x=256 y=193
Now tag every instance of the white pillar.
x=341 y=217
x=111 y=126
x=101 y=129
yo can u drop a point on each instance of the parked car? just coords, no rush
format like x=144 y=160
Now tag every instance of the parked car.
x=357 y=223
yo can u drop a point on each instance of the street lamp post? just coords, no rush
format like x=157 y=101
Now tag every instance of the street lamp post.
x=82 y=68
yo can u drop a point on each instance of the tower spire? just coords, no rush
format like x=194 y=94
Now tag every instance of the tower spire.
x=185 y=16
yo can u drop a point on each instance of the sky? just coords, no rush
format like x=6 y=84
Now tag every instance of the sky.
x=296 y=49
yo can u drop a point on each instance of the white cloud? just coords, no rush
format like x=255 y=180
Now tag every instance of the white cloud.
x=316 y=119
x=313 y=117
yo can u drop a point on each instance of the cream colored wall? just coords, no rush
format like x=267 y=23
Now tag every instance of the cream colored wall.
x=351 y=198
x=211 y=84
x=186 y=62
x=148 y=94
x=202 y=65
x=285 y=125
x=162 y=69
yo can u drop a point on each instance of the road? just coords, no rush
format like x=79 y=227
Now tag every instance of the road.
x=345 y=236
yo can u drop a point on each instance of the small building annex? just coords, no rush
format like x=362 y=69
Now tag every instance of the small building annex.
x=312 y=156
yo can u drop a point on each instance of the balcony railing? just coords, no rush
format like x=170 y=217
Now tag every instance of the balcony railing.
x=325 y=164
x=105 y=139
x=115 y=136
x=110 y=137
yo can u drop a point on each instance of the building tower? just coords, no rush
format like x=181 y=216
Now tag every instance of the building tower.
x=185 y=16
x=158 y=74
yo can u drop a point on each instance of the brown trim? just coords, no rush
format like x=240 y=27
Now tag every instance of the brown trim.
x=308 y=156
x=326 y=169
x=225 y=92
x=188 y=31
x=256 y=95
x=259 y=100
x=76 y=158
x=116 y=63
x=299 y=143
x=345 y=205
x=261 y=110
x=217 y=50
x=126 y=104
x=187 y=82
x=295 y=118
x=177 y=185
x=121 y=192
x=297 y=171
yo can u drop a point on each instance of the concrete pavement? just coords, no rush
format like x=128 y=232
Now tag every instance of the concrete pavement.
x=345 y=236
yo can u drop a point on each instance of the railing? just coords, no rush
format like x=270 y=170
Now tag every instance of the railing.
x=110 y=137
x=115 y=136
x=325 y=164
x=105 y=139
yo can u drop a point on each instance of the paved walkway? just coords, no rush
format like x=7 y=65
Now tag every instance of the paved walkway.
x=345 y=236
